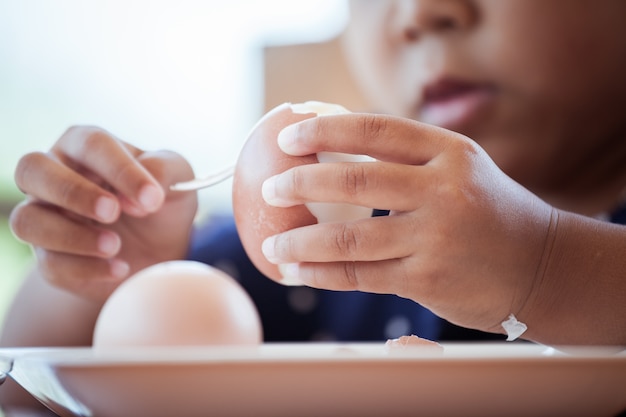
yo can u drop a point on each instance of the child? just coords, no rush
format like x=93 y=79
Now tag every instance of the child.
x=511 y=221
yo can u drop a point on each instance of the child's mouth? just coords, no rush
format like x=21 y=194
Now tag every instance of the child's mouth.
x=453 y=104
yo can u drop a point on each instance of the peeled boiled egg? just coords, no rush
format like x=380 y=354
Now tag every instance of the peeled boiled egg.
x=261 y=158
x=178 y=303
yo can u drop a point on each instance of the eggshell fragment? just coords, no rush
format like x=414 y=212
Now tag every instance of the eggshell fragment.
x=260 y=159
x=410 y=345
x=178 y=303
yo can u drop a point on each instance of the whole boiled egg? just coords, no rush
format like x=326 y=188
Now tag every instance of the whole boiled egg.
x=260 y=159
x=178 y=303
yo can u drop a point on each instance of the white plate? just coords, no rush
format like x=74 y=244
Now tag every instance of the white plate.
x=325 y=380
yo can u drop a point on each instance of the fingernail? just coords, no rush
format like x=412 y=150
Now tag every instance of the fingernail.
x=268 y=249
x=106 y=209
x=268 y=191
x=287 y=139
x=119 y=268
x=151 y=197
x=290 y=273
x=109 y=243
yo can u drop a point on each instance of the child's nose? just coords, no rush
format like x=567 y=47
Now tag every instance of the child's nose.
x=418 y=17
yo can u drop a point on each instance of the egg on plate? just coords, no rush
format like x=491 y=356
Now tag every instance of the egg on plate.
x=178 y=303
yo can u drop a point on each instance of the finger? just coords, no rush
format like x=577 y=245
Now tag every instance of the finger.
x=383 y=137
x=114 y=161
x=44 y=178
x=380 y=277
x=372 y=239
x=44 y=226
x=166 y=167
x=370 y=184
x=86 y=276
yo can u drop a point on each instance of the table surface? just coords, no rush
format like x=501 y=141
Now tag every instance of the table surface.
x=26 y=412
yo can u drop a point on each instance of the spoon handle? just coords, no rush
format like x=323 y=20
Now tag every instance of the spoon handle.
x=208 y=181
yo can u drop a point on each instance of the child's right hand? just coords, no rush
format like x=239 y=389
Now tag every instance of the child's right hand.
x=98 y=209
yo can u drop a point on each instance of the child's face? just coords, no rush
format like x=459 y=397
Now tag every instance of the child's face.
x=540 y=84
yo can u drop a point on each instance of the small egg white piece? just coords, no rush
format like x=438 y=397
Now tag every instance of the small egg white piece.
x=262 y=158
x=178 y=303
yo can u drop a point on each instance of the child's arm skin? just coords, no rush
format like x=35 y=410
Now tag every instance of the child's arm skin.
x=463 y=239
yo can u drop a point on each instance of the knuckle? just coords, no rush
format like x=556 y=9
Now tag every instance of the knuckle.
x=78 y=143
x=447 y=190
x=157 y=163
x=354 y=179
x=297 y=182
x=347 y=240
x=124 y=174
x=373 y=126
x=78 y=130
x=68 y=193
x=94 y=139
x=457 y=196
x=466 y=147
x=351 y=276
x=319 y=127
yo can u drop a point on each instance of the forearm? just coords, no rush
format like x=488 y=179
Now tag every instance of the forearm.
x=579 y=296
x=42 y=315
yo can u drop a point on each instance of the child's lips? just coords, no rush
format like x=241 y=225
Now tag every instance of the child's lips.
x=454 y=104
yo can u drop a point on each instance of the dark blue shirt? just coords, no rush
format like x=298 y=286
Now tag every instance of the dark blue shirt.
x=304 y=314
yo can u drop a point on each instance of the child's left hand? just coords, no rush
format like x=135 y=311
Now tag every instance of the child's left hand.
x=462 y=238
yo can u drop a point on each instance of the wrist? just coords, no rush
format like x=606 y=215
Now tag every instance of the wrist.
x=578 y=294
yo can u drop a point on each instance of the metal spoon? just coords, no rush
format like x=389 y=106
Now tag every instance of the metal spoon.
x=208 y=181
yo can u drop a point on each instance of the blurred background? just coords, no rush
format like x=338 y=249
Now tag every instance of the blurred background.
x=188 y=75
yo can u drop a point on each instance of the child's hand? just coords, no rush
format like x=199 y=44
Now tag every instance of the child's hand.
x=98 y=209
x=463 y=239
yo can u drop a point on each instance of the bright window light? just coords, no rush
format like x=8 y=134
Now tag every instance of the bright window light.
x=182 y=75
